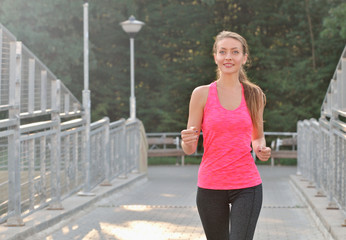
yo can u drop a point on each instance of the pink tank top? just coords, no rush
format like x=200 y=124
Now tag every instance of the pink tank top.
x=227 y=162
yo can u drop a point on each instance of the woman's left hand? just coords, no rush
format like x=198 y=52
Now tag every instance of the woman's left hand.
x=263 y=153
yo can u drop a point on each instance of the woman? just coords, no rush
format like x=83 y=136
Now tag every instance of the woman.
x=229 y=111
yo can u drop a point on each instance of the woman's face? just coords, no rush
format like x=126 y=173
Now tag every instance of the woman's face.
x=229 y=56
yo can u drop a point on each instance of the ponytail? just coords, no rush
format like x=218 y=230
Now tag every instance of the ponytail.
x=254 y=97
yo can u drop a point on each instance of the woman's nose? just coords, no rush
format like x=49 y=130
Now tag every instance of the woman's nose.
x=228 y=55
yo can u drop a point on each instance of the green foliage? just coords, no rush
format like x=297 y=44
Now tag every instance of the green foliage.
x=292 y=58
x=279 y=162
x=189 y=160
x=52 y=31
x=196 y=160
x=335 y=23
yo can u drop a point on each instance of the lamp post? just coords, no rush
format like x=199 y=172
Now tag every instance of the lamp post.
x=86 y=102
x=131 y=27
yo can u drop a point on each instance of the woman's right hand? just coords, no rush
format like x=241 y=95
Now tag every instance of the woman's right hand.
x=189 y=139
x=190 y=136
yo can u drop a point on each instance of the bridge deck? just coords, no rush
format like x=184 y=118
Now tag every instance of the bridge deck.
x=162 y=206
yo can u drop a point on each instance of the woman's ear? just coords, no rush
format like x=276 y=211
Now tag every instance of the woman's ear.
x=245 y=58
x=215 y=58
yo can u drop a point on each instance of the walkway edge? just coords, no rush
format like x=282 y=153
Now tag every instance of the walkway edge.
x=328 y=221
x=43 y=219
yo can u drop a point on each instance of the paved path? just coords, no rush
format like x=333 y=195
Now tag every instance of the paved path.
x=163 y=208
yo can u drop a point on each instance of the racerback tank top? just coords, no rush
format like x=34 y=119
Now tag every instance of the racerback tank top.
x=227 y=162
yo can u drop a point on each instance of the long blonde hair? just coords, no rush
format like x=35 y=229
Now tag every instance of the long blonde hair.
x=254 y=96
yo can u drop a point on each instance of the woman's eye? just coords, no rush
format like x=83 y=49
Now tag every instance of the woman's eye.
x=235 y=52
x=222 y=52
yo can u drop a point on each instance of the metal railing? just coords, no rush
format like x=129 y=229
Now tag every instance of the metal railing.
x=45 y=180
x=199 y=151
x=44 y=161
x=322 y=143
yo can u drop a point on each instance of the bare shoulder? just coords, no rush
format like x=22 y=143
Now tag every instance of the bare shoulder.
x=201 y=92
x=199 y=96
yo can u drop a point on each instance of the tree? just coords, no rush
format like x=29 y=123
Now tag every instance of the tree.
x=279 y=36
x=335 y=23
x=175 y=59
x=294 y=45
x=52 y=30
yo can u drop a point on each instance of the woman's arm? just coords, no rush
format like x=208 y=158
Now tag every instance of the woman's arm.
x=258 y=140
x=259 y=146
x=190 y=135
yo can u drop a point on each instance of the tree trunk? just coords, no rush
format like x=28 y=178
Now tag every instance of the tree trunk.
x=311 y=35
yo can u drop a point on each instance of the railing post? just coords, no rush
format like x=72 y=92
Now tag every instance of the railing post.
x=1 y=37
x=75 y=158
x=123 y=150
x=14 y=192
x=43 y=91
x=30 y=170
x=135 y=143
x=299 y=148
x=31 y=87
x=56 y=148
x=325 y=154
x=66 y=160
x=138 y=146
x=309 y=153
x=43 y=144
x=106 y=152
x=332 y=169
x=143 y=150
x=305 y=168
x=128 y=152
x=318 y=166
x=343 y=85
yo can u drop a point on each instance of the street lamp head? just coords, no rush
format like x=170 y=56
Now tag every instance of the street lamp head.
x=132 y=26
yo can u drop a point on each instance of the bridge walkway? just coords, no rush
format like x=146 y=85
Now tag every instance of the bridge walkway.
x=162 y=206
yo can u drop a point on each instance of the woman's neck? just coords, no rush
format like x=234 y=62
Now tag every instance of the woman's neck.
x=229 y=81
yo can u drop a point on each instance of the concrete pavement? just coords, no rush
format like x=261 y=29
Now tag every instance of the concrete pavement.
x=162 y=206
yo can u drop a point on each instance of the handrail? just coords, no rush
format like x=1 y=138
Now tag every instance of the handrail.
x=44 y=161
x=199 y=151
x=112 y=156
x=335 y=98
x=178 y=133
x=321 y=157
x=322 y=143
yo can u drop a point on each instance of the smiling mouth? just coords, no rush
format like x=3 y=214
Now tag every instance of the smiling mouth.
x=228 y=65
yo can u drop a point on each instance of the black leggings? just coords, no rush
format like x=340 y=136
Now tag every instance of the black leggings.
x=219 y=223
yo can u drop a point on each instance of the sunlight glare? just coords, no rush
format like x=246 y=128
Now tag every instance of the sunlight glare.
x=168 y=195
x=93 y=234
x=136 y=208
x=146 y=229
x=75 y=227
x=65 y=230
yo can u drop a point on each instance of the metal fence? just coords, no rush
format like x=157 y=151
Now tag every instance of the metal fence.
x=322 y=143
x=43 y=131
x=199 y=151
